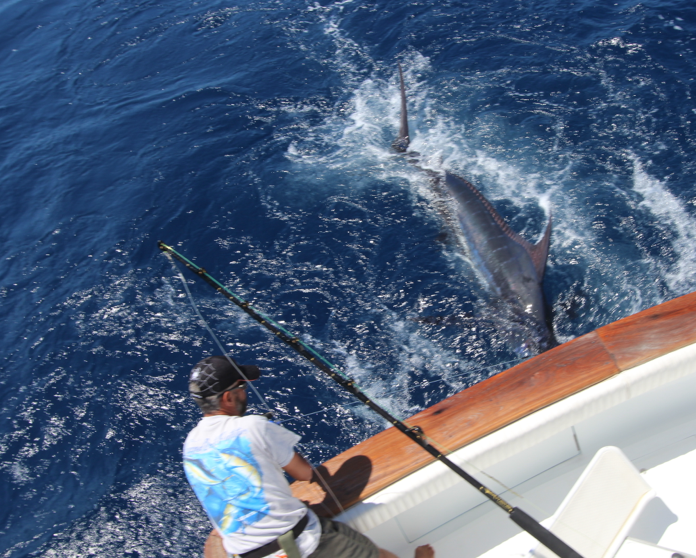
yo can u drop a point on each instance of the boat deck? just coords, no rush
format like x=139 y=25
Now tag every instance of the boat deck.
x=671 y=479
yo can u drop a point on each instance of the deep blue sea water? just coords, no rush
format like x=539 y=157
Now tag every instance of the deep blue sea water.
x=255 y=137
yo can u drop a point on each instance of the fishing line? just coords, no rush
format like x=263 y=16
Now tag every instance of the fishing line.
x=420 y=384
x=324 y=409
x=447 y=450
x=321 y=410
x=507 y=364
x=295 y=342
x=415 y=433
x=327 y=488
x=212 y=334
x=249 y=383
x=286 y=336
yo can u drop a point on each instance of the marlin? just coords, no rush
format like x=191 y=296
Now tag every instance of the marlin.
x=511 y=267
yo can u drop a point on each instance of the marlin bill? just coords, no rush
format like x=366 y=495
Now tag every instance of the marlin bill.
x=511 y=268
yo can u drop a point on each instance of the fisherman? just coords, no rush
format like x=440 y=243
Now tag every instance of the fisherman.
x=235 y=466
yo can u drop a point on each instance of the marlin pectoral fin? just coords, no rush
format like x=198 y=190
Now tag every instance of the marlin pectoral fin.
x=401 y=143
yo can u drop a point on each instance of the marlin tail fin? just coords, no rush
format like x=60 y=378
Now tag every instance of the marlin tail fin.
x=401 y=143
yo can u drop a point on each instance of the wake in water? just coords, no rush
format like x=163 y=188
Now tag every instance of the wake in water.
x=354 y=142
x=677 y=226
x=256 y=140
x=362 y=142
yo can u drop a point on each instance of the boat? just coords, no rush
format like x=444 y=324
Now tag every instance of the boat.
x=595 y=438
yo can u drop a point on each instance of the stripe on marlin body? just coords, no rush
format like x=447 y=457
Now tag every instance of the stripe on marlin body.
x=511 y=268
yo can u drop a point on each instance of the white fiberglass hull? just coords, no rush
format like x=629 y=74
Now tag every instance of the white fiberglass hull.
x=649 y=412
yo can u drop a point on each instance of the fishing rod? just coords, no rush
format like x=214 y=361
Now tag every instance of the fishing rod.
x=415 y=433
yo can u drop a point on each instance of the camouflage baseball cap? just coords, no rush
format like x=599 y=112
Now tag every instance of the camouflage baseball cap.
x=214 y=374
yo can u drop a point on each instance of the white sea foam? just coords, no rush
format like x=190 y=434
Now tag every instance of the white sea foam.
x=630 y=48
x=354 y=141
x=357 y=134
x=409 y=366
x=681 y=276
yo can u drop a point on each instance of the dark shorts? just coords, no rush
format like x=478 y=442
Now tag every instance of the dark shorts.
x=340 y=541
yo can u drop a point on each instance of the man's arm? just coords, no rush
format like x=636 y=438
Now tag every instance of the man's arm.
x=298 y=468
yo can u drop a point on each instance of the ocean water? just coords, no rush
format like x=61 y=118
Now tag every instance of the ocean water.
x=254 y=137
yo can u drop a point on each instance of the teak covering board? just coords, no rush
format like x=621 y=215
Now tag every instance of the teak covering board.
x=502 y=399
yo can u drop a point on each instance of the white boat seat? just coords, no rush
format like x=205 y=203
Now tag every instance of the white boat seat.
x=598 y=513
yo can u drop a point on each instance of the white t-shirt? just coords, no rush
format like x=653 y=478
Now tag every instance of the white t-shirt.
x=234 y=465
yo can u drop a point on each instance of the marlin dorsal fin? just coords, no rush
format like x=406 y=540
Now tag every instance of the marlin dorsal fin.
x=537 y=252
x=540 y=251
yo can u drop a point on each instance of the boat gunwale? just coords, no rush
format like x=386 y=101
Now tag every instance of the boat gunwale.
x=490 y=405
x=558 y=419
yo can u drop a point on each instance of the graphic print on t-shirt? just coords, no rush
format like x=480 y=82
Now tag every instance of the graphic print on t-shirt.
x=227 y=480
